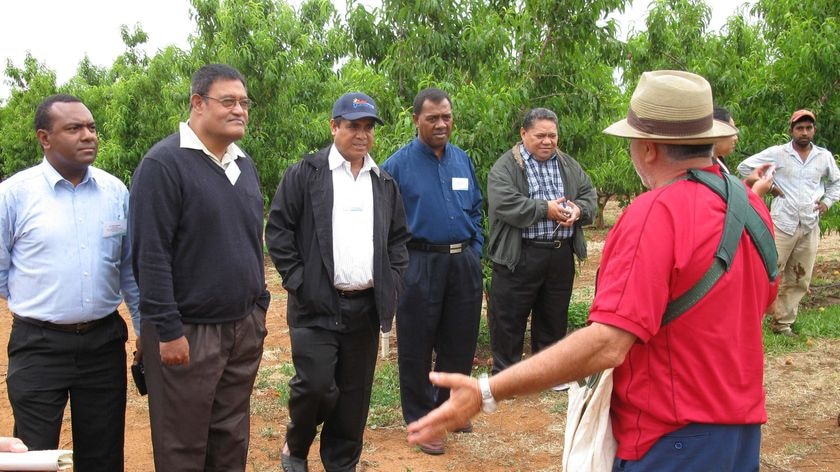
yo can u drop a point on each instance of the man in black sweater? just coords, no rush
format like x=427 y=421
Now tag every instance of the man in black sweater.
x=196 y=225
x=336 y=232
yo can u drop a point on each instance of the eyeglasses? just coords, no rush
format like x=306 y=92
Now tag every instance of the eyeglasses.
x=228 y=102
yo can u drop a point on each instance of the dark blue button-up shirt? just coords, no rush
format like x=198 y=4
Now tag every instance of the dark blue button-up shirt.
x=441 y=196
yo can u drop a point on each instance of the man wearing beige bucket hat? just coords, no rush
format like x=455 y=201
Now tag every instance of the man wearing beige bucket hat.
x=810 y=181
x=669 y=389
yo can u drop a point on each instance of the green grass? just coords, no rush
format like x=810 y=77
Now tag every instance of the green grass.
x=385 y=399
x=811 y=323
x=578 y=314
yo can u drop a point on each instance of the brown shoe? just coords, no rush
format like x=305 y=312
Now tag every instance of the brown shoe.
x=433 y=448
x=785 y=332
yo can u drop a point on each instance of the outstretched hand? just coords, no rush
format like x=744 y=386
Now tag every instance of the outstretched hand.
x=464 y=403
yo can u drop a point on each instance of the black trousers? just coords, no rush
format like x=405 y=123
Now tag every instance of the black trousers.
x=438 y=318
x=541 y=286
x=46 y=367
x=332 y=384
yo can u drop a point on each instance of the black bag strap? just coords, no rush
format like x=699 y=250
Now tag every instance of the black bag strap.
x=740 y=215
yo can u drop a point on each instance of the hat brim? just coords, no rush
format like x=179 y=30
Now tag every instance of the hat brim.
x=360 y=115
x=719 y=130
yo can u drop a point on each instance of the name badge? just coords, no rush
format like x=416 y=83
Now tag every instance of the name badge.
x=114 y=228
x=460 y=183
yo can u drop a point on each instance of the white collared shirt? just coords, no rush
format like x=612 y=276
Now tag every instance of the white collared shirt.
x=352 y=222
x=804 y=183
x=189 y=140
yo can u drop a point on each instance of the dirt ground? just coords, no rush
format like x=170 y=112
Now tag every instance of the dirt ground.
x=803 y=402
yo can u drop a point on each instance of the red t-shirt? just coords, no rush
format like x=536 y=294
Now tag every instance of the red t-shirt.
x=707 y=365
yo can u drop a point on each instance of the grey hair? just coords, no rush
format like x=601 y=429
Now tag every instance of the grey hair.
x=536 y=114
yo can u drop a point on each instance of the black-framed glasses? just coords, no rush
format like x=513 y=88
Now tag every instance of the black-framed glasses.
x=228 y=102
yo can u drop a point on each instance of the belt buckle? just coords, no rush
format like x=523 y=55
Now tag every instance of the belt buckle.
x=456 y=248
x=558 y=244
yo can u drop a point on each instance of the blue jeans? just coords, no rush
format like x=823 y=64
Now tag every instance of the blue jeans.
x=701 y=448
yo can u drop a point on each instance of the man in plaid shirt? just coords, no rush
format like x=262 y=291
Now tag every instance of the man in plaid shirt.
x=539 y=200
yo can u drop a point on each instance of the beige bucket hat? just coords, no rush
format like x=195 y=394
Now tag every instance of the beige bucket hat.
x=670 y=106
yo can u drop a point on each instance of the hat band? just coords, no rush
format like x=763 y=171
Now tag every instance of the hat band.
x=670 y=128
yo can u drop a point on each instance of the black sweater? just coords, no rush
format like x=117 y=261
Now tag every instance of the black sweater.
x=197 y=239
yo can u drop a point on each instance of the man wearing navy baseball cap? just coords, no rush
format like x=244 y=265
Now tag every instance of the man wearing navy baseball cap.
x=336 y=233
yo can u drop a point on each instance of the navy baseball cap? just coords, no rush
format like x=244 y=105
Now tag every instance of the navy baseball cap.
x=356 y=105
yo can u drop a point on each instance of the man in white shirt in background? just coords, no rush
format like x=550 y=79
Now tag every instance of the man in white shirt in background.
x=336 y=233
x=809 y=179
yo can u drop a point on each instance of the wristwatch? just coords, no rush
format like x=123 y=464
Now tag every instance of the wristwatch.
x=488 y=403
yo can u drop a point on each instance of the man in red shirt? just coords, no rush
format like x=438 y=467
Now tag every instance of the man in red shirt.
x=687 y=396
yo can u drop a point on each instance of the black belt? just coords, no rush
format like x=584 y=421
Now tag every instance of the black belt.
x=354 y=293
x=75 y=328
x=556 y=244
x=441 y=248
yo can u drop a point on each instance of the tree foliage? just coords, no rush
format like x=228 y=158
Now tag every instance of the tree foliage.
x=496 y=58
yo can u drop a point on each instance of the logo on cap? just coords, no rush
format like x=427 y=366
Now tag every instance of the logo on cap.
x=362 y=103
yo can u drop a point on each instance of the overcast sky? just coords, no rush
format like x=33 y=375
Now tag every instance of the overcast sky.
x=60 y=33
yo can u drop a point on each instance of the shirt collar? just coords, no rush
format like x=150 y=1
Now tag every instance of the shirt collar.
x=190 y=140
x=428 y=150
x=336 y=160
x=53 y=177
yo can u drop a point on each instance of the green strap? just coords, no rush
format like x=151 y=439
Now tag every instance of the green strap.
x=760 y=233
x=739 y=215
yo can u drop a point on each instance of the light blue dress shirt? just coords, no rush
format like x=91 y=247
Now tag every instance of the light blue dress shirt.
x=65 y=254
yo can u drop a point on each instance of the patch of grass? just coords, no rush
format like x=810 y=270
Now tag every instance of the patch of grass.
x=269 y=432
x=578 y=314
x=385 y=407
x=820 y=322
x=775 y=344
x=276 y=377
x=798 y=449
x=483 y=342
x=559 y=402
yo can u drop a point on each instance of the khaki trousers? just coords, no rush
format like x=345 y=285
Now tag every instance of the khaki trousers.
x=797 y=254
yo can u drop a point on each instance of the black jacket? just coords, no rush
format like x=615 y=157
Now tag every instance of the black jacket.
x=299 y=238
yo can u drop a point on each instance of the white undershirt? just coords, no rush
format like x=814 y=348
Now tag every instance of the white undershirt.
x=352 y=223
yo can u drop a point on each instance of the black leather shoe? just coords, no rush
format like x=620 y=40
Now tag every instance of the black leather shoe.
x=293 y=464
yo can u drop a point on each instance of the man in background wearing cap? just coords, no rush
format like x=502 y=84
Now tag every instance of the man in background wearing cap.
x=336 y=233
x=196 y=225
x=440 y=309
x=668 y=387
x=808 y=177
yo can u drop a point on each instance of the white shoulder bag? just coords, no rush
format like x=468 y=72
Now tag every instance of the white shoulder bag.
x=589 y=444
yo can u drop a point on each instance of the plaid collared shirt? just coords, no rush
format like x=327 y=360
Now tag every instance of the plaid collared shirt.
x=544 y=183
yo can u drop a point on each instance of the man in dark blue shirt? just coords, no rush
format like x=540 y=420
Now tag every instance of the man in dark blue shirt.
x=440 y=307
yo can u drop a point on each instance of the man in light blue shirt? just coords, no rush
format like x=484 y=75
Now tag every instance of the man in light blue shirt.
x=65 y=266
x=809 y=179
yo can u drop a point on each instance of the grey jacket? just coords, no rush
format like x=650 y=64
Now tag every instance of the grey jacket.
x=511 y=209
